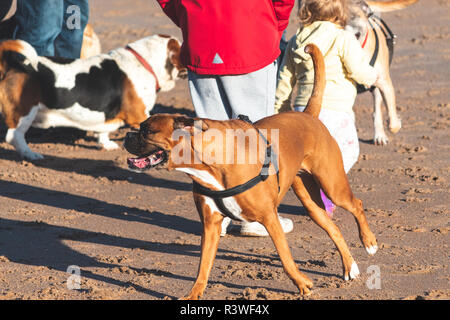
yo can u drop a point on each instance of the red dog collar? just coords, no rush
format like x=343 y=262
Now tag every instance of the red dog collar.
x=365 y=40
x=145 y=64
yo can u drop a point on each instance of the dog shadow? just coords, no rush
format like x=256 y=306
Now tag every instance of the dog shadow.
x=367 y=141
x=27 y=243
x=24 y=242
x=61 y=135
x=98 y=169
x=67 y=201
x=160 y=108
x=292 y=209
x=80 y=138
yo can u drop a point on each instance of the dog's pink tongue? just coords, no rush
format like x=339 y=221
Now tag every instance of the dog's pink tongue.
x=139 y=162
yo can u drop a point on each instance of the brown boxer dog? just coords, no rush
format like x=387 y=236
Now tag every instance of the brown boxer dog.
x=297 y=151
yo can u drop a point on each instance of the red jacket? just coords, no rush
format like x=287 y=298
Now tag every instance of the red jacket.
x=226 y=37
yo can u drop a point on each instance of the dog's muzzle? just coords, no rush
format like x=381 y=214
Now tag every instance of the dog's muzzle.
x=131 y=143
x=147 y=159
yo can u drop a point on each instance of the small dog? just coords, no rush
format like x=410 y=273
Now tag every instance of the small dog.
x=100 y=93
x=309 y=159
x=378 y=41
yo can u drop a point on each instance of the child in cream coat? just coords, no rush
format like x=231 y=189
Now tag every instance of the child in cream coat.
x=323 y=24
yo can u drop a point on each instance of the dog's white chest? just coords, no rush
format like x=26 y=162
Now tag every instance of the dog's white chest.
x=230 y=203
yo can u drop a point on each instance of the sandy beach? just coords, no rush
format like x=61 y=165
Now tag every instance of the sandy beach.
x=137 y=236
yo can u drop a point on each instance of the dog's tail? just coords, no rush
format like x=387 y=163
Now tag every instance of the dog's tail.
x=386 y=6
x=315 y=101
x=17 y=54
x=91 y=45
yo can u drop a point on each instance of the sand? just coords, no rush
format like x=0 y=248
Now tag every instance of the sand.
x=137 y=236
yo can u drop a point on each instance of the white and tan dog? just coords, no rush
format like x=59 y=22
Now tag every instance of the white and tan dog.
x=377 y=41
x=100 y=93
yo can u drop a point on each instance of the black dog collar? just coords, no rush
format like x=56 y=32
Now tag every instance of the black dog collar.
x=218 y=196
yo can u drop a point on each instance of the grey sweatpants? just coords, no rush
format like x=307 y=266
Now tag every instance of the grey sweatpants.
x=226 y=97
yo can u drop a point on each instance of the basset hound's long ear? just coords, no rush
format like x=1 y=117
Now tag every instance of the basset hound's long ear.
x=174 y=49
x=173 y=53
x=189 y=124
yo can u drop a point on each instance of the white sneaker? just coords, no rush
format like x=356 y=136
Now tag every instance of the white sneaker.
x=255 y=229
x=225 y=223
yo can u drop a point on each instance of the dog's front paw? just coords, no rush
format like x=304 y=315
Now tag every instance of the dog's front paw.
x=380 y=139
x=370 y=242
x=353 y=273
x=305 y=288
x=371 y=250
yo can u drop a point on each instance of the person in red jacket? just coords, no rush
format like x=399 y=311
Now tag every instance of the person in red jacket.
x=229 y=37
x=230 y=48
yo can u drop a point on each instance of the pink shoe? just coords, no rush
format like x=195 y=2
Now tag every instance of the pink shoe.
x=329 y=206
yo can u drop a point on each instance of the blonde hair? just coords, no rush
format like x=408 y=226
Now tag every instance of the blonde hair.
x=323 y=10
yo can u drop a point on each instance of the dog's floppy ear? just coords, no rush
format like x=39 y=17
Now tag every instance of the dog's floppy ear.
x=13 y=59
x=189 y=124
x=182 y=123
x=174 y=49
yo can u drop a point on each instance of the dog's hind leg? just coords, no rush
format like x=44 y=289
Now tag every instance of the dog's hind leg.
x=273 y=226
x=212 y=221
x=380 y=137
x=308 y=192
x=16 y=136
x=355 y=207
x=333 y=181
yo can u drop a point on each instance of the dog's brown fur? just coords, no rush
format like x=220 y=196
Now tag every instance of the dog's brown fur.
x=309 y=160
x=91 y=43
x=7 y=46
x=19 y=93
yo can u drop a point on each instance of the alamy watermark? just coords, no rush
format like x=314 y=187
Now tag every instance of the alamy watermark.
x=74 y=280
x=74 y=20
x=374 y=280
